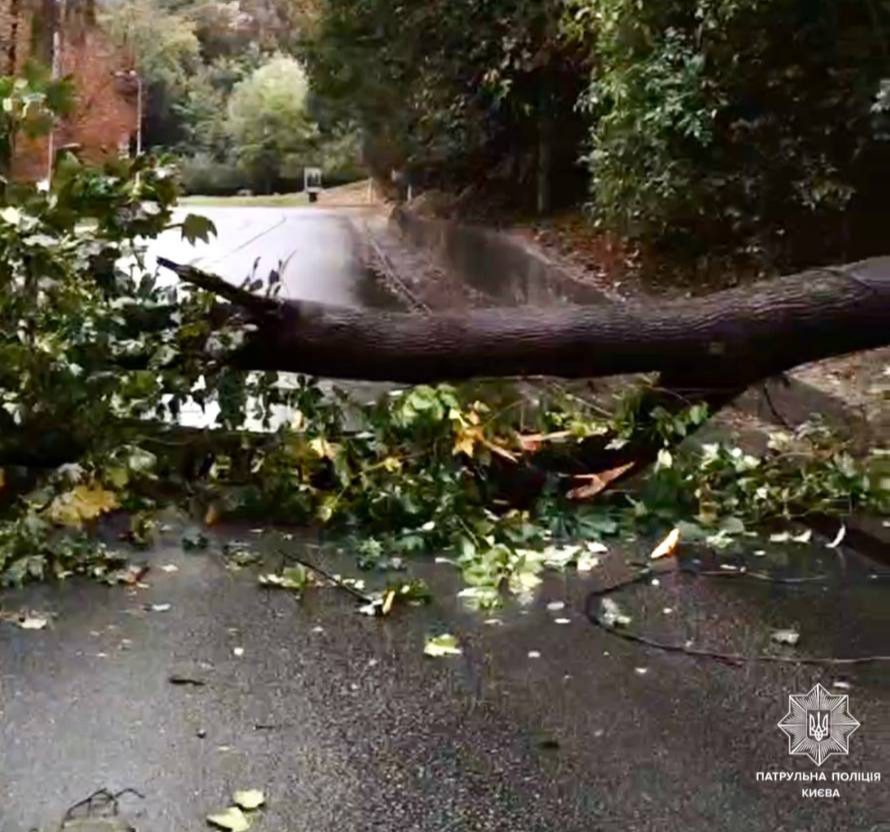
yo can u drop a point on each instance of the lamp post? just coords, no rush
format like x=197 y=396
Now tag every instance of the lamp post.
x=55 y=73
x=134 y=75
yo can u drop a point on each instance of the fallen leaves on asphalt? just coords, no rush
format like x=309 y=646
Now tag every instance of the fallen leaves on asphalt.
x=231 y=820
x=293 y=578
x=192 y=541
x=249 y=799
x=26 y=620
x=613 y=615
x=130 y=575
x=442 y=645
x=787 y=636
x=33 y=622
x=667 y=547
x=786 y=537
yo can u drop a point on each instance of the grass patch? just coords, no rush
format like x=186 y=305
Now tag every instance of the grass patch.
x=258 y=201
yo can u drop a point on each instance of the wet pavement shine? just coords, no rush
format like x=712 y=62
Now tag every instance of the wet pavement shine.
x=344 y=724
x=316 y=251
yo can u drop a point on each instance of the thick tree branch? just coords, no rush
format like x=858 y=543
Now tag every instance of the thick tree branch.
x=257 y=304
x=726 y=339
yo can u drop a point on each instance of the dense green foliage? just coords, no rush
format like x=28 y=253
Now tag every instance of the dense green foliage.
x=269 y=123
x=30 y=105
x=223 y=94
x=450 y=89
x=740 y=118
x=755 y=125
x=754 y=122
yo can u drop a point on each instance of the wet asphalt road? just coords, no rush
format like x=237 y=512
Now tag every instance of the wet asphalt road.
x=346 y=726
x=319 y=254
x=315 y=250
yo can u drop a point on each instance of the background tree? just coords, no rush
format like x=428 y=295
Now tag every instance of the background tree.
x=268 y=121
x=724 y=120
x=193 y=55
x=455 y=91
x=758 y=126
x=165 y=50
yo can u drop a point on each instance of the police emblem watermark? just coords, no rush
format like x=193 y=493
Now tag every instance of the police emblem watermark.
x=818 y=724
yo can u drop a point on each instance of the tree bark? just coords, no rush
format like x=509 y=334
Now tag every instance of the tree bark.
x=727 y=339
x=706 y=350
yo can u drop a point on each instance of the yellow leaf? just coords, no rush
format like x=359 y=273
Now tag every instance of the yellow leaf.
x=323 y=448
x=388 y=601
x=83 y=502
x=465 y=441
x=443 y=645
x=231 y=819
x=667 y=546
x=2 y=479
x=249 y=799
x=211 y=516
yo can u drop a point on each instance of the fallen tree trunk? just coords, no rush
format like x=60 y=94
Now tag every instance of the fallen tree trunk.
x=727 y=339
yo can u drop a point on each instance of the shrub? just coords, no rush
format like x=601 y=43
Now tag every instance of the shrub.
x=201 y=174
x=731 y=118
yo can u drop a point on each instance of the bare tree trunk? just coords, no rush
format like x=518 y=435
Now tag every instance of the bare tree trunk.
x=706 y=350
x=12 y=58
x=545 y=148
x=726 y=339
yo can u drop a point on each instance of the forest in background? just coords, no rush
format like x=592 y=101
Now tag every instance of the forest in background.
x=227 y=95
x=757 y=128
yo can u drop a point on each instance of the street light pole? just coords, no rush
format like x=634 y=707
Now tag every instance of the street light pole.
x=140 y=105
x=138 y=112
x=56 y=72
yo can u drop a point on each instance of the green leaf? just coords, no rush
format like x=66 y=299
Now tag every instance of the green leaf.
x=192 y=541
x=293 y=578
x=442 y=645
x=197 y=227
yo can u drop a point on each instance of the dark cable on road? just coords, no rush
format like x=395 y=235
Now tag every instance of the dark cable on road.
x=647 y=573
